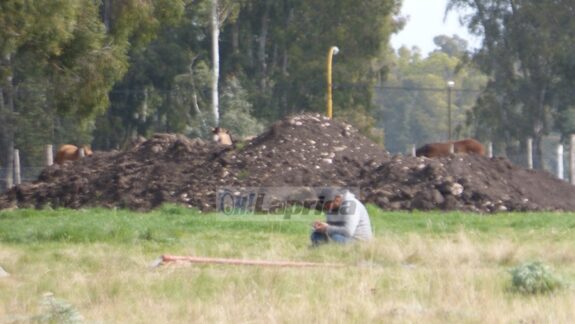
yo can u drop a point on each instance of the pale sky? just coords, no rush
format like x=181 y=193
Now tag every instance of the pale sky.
x=425 y=21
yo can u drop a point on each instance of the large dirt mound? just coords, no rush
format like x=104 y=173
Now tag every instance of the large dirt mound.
x=465 y=182
x=303 y=150
x=306 y=150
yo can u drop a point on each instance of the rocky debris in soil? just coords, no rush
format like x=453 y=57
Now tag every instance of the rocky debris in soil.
x=305 y=150
x=465 y=182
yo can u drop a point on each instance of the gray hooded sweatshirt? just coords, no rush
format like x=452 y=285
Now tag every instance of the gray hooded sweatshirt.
x=351 y=220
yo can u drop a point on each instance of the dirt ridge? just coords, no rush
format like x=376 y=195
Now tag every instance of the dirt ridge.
x=301 y=150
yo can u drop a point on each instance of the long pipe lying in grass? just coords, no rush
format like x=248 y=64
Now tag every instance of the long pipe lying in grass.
x=165 y=259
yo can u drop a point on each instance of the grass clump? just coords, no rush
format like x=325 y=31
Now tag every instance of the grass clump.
x=534 y=278
x=58 y=311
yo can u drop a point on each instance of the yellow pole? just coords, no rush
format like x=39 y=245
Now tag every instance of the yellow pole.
x=332 y=51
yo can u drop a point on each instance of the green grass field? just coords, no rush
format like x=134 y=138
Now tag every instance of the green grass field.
x=428 y=267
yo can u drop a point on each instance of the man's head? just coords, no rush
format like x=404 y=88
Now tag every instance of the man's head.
x=331 y=198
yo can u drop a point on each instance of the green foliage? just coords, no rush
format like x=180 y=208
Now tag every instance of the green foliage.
x=236 y=110
x=452 y=46
x=60 y=60
x=58 y=311
x=137 y=22
x=171 y=223
x=413 y=255
x=272 y=64
x=527 y=54
x=174 y=209
x=156 y=94
x=146 y=65
x=87 y=226
x=534 y=278
x=364 y=122
x=413 y=102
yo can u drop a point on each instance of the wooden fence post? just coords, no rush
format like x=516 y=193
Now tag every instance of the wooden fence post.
x=412 y=149
x=17 y=178
x=572 y=159
x=489 y=149
x=530 y=153
x=560 y=161
x=82 y=153
x=49 y=155
x=10 y=166
x=451 y=148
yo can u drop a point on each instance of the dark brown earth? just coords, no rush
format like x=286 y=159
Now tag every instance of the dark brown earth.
x=303 y=150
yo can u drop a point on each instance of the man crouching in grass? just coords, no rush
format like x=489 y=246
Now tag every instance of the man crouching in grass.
x=347 y=219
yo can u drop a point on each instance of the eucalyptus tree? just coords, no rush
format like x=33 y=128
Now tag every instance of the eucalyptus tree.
x=278 y=50
x=413 y=101
x=527 y=52
x=59 y=61
x=54 y=61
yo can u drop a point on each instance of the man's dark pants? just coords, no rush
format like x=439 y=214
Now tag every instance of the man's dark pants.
x=318 y=238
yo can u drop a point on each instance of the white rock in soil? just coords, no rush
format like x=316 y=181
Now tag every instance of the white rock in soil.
x=456 y=189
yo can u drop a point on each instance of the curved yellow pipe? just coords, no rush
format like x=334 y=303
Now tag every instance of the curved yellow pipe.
x=332 y=51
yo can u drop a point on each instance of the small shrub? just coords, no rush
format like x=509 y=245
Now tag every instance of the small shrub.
x=58 y=311
x=534 y=278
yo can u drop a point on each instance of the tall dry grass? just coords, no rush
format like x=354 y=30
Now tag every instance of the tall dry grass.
x=398 y=278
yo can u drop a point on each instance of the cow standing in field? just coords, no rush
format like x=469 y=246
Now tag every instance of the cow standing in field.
x=68 y=152
x=222 y=136
x=466 y=146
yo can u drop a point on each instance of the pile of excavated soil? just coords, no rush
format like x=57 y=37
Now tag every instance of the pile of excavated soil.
x=302 y=150
x=465 y=182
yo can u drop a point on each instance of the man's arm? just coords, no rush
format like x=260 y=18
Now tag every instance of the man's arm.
x=351 y=216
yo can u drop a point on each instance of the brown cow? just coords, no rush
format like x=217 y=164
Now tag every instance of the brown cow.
x=222 y=136
x=68 y=152
x=466 y=146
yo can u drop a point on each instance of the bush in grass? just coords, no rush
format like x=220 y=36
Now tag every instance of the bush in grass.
x=57 y=311
x=534 y=278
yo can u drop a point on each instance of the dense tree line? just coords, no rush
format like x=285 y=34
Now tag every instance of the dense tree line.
x=529 y=57
x=58 y=62
x=272 y=57
x=105 y=71
x=413 y=102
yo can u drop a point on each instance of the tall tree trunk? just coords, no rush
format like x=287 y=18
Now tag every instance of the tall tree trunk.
x=10 y=163
x=541 y=127
x=274 y=60
x=106 y=13
x=3 y=136
x=236 y=37
x=8 y=127
x=285 y=45
x=215 y=62
x=262 y=40
x=538 y=162
x=204 y=129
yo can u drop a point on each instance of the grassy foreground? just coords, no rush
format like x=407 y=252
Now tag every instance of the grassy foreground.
x=421 y=268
